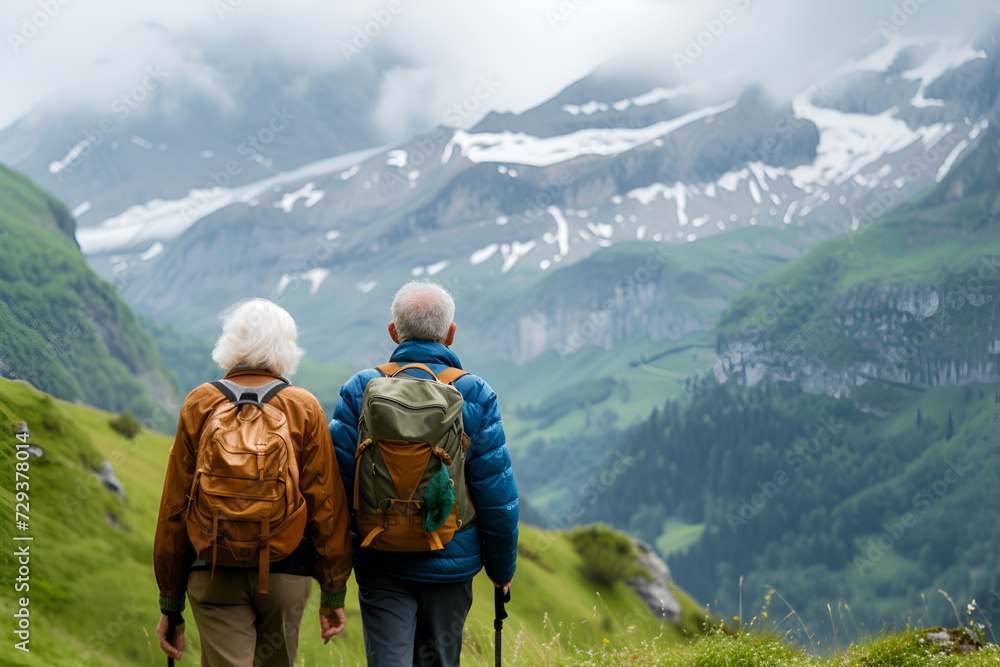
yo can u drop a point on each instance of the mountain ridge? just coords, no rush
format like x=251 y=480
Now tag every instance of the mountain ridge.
x=64 y=329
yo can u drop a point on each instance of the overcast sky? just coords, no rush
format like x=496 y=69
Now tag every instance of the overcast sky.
x=77 y=51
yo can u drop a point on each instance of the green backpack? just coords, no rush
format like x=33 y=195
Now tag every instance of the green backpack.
x=409 y=478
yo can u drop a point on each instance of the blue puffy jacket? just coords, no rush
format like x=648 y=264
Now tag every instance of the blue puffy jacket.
x=492 y=538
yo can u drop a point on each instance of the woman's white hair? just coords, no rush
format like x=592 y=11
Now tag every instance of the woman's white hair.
x=422 y=310
x=257 y=333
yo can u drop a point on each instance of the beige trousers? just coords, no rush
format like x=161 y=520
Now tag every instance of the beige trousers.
x=239 y=627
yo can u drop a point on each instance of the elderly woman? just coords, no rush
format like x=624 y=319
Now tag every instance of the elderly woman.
x=251 y=508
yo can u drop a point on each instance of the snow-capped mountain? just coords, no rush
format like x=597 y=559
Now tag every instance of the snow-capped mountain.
x=497 y=206
x=185 y=118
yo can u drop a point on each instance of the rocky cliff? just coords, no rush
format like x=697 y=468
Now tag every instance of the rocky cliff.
x=917 y=336
x=911 y=300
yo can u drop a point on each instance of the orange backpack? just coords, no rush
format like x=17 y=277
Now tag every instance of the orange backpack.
x=245 y=506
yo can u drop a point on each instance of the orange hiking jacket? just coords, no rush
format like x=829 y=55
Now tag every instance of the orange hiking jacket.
x=327 y=509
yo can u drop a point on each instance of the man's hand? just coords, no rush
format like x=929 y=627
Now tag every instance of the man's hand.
x=176 y=649
x=506 y=587
x=331 y=622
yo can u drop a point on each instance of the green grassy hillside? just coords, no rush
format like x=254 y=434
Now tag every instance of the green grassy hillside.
x=62 y=328
x=93 y=594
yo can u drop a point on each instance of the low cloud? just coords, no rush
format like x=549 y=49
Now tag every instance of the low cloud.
x=432 y=54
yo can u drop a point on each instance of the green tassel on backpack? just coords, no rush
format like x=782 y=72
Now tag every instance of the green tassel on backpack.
x=439 y=499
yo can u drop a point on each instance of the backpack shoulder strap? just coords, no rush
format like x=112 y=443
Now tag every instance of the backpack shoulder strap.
x=250 y=395
x=389 y=369
x=224 y=387
x=449 y=375
x=272 y=389
x=393 y=369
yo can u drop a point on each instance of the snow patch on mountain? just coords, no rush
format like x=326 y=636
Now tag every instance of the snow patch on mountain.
x=159 y=220
x=306 y=192
x=396 y=158
x=521 y=148
x=660 y=94
x=153 y=251
x=315 y=277
x=483 y=254
x=431 y=269
x=957 y=151
x=677 y=193
x=561 y=235
x=880 y=59
x=585 y=109
x=978 y=128
x=731 y=179
x=437 y=267
x=944 y=60
x=513 y=252
x=75 y=152
x=849 y=142
x=602 y=230
x=652 y=97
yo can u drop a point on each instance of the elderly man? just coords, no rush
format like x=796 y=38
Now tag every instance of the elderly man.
x=414 y=603
x=250 y=510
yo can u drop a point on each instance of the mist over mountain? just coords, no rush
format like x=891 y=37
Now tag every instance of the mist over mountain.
x=322 y=214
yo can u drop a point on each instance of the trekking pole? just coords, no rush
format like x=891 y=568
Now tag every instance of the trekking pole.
x=171 y=629
x=499 y=598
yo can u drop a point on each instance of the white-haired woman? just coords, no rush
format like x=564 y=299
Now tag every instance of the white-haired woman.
x=247 y=603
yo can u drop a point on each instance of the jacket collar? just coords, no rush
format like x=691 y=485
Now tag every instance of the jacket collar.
x=425 y=352
x=258 y=372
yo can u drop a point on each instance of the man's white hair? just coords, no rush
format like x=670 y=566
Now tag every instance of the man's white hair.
x=422 y=310
x=257 y=333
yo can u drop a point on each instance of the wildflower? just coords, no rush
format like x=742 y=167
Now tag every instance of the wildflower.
x=606 y=640
x=736 y=618
x=765 y=614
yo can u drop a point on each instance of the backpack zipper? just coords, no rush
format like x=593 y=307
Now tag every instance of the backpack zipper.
x=436 y=406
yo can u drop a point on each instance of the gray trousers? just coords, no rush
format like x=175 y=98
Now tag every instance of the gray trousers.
x=410 y=623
